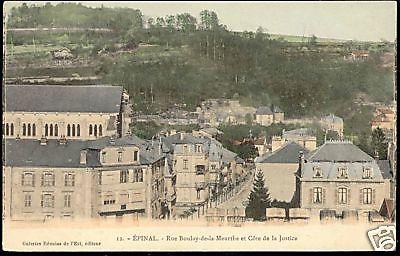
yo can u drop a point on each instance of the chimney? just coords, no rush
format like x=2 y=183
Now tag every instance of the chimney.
x=301 y=160
x=62 y=140
x=83 y=156
x=376 y=155
x=43 y=141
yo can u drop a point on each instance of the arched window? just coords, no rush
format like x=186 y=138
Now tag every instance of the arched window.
x=7 y=129
x=68 y=130
x=95 y=130
x=90 y=129
x=46 y=130
x=29 y=129
x=100 y=130
x=73 y=130
x=78 y=130
x=12 y=129
x=51 y=129
x=55 y=130
x=24 y=129
x=33 y=129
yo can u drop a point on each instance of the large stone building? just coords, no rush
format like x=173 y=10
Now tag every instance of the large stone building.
x=339 y=176
x=83 y=179
x=266 y=116
x=202 y=167
x=72 y=112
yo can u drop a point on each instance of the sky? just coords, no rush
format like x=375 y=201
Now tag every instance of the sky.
x=364 y=20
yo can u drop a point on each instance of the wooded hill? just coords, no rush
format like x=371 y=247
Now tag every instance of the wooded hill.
x=181 y=59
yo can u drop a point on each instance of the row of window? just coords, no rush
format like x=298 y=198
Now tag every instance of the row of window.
x=47 y=200
x=343 y=173
x=8 y=129
x=95 y=130
x=47 y=179
x=137 y=176
x=120 y=156
x=343 y=195
x=197 y=148
x=73 y=130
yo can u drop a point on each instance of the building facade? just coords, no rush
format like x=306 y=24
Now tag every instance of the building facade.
x=339 y=176
x=82 y=179
x=71 y=112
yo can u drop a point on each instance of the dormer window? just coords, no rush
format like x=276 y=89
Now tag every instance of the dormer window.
x=367 y=173
x=317 y=172
x=198 y=148
x=135 y=155
x=185 y=148
x=103 y=157
x=342 y=172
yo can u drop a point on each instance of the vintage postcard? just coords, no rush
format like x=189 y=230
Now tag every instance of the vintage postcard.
x=199 y=126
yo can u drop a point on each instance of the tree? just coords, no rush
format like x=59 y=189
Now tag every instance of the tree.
x=379 y=144
x=313 y=40
x=259 y=199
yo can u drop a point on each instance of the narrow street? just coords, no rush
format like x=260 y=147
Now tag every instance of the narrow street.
x=238 y=199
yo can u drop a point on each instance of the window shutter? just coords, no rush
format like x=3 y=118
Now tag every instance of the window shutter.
x=73 y=180
x=373 y=196
x=41 y=201
x=311 y=196
x=323 y=196
x=42 y=179
x=53 y=176
x=65 y=179
x=361 y=196
x=348 y=196
x=22 y=179
x=52 y=201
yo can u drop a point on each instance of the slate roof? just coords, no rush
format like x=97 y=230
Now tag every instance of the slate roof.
x=338 y=151
x=263 y=110
x=29 y=152
x=289 y=153
x=277 y=110
x=384 y=166
x=62 y=98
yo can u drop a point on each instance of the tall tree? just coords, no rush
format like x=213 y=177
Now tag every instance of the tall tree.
x=379 y=144
x=259 y=198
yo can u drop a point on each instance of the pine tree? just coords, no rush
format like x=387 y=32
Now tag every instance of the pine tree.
x=259 y=199
x=379 y=143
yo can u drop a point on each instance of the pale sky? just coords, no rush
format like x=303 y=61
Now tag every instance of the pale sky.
x=365 y=21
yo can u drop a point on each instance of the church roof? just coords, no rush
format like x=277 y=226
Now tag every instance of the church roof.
x=63 y=98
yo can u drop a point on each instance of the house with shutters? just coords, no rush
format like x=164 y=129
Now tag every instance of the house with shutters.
x=340 y=177
x=107 y=177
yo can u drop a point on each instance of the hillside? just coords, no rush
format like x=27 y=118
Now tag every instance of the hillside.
x=177 y=59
